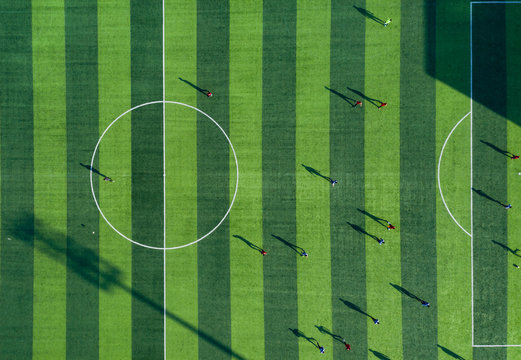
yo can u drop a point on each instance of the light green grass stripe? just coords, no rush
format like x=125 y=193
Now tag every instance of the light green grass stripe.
x=382 y=176
x=453 y=277
x=513 y=50
x=181 y=175
x=312 y=193
x=115 y=320
x=246 y=268
x=50 y=184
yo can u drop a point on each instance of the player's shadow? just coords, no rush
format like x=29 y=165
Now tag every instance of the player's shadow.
x=379 y=220
x=346 y=98
x=316 y=173
x=326 y=331
x=250 y=244
x=369 y=15
x=514 y=252
x=362 y=231
x=373 y=101
x=486 y=196
x=293 y=247
x=355 y=308
x=201 y=90
x=450 y=353
x=90 y=168
x=379 y=355
x=300 y=334
x=406 y=292
x=494 y=147
x=95 y=270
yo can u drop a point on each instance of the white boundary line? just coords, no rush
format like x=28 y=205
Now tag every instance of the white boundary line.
x=164 y=187
x=471 y=186
x=471 y=180
x=236 y=181
x=439 y=170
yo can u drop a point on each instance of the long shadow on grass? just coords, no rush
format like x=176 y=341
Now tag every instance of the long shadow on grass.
x=316 y=173
x=369 y=15
x=494 y=147
x=346 y=98
x=362 y=231
x=486 y=196
x=88 y=167
x=379 y=355
x=95 y=270
x=326 y=331
x=379 y=220
x=201 y=90
x=250 y=244
x=293 y=247
x=407 y=292
x=299 y=333
x=450 y=353
x=371 y=100
x=514 y=252
x=356 y=308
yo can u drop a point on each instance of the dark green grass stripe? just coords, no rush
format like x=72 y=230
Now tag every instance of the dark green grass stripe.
x=17 y=204
x=82 y=133
x=418 y=180
x=489 y=175
x=213 y=255
x=278 y=177
x=147 y=178
x=347 y=142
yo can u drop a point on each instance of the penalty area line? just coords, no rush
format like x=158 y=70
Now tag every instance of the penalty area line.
x=439 y=170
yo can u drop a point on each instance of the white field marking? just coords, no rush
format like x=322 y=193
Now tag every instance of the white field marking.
x=471 y=176
x=495 y=2
x=164 y=188
x=471 y=186
x=236 y=182
x=439 y=169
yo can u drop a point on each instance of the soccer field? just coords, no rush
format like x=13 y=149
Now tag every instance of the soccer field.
x=135 y=208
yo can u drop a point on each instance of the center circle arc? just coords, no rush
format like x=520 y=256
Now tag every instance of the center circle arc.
x=137 y=242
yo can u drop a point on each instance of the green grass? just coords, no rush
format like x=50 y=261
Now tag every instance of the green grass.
x=72 y=287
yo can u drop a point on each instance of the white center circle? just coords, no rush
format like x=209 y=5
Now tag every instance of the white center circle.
x=156 y=247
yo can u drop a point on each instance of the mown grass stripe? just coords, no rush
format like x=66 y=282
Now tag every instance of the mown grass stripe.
x=17 y=203
x=489 y=176
x=181 y=170
x=382 y=176
x=246 y=268
x=50 y=181
x=278 y=178
x=418 y=180
x=115 y=326
x=513 y=56
x=213 y=254
x=81 y=60
x=452 y=244
x=346 y=141
x=146 y=73
x=313 y=192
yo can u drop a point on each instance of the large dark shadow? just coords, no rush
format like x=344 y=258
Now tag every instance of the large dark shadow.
x=362 y=231
x=250 y=244
x=356 y=308
x=96 y=270
x=486 y=196
x=379 y=355
x=299 y=334
x=326 y=331
x=95 y=171
x=514 y=252
x=346 y=98
x=450 y=353
x=379 y=220
x=369 y=15
x=494 y=147
x=293 y=247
